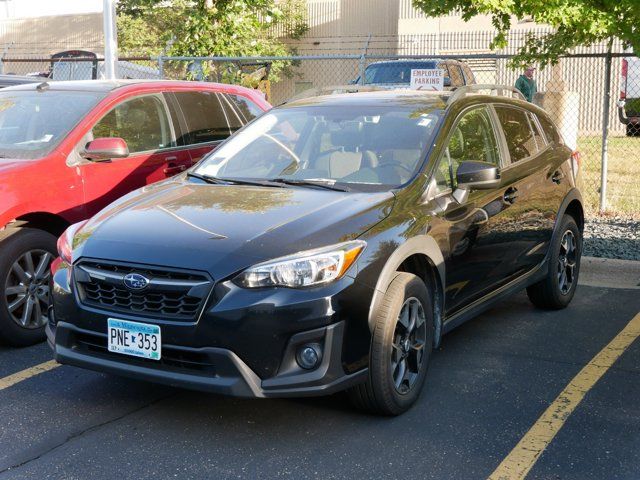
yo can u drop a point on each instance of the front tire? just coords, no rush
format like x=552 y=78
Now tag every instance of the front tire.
x=556 y=290
x=25 y=261
x=401 y=347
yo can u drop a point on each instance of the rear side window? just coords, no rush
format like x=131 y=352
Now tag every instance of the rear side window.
x=518 y=132
x=246 y=108
x=205 y=118
x=455 y=73
x=142 y=123
x=240 y=111
x=537 y=134
x=469 y=77
x=550 y=130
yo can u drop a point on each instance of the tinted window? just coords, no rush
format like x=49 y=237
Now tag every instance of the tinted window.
x=456 y=75
x=518 y=133
x=238 y=112
x=141 y=122
x=400 y=72
x=468 y=74
x=550 y=130
x=177 y=119
x=473 y=138
x=205 y=118
x=537 y=134
x=33 y=123
x=246 y=108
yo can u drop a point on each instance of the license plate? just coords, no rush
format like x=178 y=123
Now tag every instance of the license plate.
x=133 y=338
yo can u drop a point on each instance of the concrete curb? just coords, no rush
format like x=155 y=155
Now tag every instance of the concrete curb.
x=609 y=273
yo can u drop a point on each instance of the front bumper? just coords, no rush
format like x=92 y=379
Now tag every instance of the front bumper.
x=243 y=343
x=220 y=370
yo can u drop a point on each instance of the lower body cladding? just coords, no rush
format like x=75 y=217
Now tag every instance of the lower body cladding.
x=271 y=344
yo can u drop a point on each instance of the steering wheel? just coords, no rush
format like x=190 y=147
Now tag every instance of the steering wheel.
x=397 y=164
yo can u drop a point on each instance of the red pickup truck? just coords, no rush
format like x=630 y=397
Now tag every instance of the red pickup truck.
x=68 y=149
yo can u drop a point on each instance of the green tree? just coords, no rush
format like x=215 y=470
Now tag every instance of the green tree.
x=575 y=22
x=210 y=27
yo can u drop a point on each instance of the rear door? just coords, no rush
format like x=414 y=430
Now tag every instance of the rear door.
x=535 y=179
x=206 y=122
x=209 y=118
x=143 y=122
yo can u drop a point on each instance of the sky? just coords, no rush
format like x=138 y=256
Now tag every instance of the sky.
x=37 y=8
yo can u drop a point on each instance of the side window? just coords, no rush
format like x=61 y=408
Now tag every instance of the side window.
x=455 y=72
x=142 y=123
x=205 y=118
x=247 y=109
x=240 y=111
x=177 y=119
x=468 y=74
x=537 y=134
x=521 y=141
x=473 y=138
x=447 y=74
x=550 y=130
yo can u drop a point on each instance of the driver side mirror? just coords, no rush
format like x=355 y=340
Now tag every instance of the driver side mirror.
x=474 y=175
x=105 y=149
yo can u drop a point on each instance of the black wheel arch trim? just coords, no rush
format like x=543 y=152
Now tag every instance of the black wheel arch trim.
x=573 y=195
x=418 y=245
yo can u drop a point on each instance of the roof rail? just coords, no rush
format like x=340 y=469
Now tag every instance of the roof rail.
x=479 y=89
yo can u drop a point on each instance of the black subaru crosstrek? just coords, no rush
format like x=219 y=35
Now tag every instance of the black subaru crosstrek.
x=328 y=245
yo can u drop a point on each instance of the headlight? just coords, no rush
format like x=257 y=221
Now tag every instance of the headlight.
x=65 y=242
x=303 y=269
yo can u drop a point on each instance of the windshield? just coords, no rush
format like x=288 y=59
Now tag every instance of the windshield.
x=352 y=145
x=32 y=123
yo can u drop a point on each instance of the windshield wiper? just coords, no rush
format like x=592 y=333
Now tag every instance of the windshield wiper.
x=327 y=183
x=233 y=181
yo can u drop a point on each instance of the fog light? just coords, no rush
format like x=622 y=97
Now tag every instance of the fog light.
x=309 y=356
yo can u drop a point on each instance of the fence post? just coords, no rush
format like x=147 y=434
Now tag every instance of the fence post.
x=605 y=129
x=363 y=59
x=161 y=66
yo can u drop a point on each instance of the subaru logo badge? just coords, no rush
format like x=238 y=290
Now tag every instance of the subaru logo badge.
x=135 y=281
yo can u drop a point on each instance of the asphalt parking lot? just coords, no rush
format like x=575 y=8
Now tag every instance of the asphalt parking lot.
x=488 y=384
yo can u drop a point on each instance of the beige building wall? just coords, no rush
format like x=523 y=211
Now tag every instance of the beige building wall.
x=39 y=37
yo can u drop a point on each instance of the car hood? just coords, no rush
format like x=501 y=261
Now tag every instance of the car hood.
x=12 y=165
x=225 y=228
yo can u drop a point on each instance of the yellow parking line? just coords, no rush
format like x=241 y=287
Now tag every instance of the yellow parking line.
x=18 y=377
x=525 y=454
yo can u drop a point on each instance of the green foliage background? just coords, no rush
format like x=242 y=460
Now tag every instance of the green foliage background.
x=576 y=22
x=203 y=28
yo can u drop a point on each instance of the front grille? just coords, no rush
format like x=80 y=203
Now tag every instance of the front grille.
x=174 y=295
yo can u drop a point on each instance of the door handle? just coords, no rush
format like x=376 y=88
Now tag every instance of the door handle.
x=557 y=177
x=510 y=195
x=172 y=169
x=170 y=159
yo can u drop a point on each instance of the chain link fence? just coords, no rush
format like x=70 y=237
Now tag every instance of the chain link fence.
x=574 y=92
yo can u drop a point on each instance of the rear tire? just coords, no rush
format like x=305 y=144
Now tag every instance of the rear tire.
x=401 y=347
x=25 y=261
x=556 y=290
x=633 y=129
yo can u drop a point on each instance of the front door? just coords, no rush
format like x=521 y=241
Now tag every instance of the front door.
x=475 y=234
x=144 y=124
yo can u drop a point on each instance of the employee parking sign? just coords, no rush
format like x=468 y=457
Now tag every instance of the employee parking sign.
x=427 y=78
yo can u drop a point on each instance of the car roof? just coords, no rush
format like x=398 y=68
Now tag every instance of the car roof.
x=414 y=60
x=377 y=98
x=110 y=85
x=392 y=98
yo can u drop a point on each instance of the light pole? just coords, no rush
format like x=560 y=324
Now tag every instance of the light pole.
x=110 y=39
